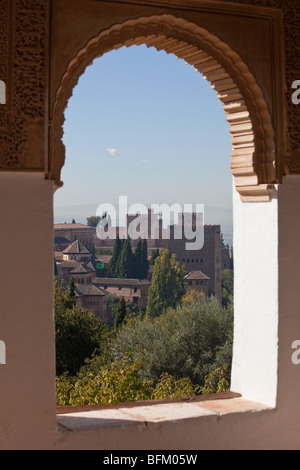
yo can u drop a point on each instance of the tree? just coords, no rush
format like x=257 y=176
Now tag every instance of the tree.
x=192 y=295
x=145 y=262
x=113 y=267
x=227 y=286
x=141 y=263
x=192 y=341
x=78 y=337
x=119 y=382
x=137 y=255
x=167 y=285
x=93 y=221
x=121 y=313
x=231 y=257
x=70 y=295
x=78 y=332
x=154 y=255
x=126 y=263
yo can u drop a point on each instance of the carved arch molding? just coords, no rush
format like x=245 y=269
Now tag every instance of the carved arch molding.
x=32 y=117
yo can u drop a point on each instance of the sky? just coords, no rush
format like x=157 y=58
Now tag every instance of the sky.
x=145 y=125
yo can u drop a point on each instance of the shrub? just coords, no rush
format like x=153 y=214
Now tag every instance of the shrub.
x=189 y=341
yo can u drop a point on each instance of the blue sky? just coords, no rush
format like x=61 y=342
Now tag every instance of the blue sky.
x=146 y=125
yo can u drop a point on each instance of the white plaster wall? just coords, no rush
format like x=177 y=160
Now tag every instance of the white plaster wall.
x=27 y=380
x=254 y=371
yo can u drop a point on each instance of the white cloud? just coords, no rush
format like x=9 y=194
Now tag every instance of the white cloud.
x=112 y=151
x=144 y=161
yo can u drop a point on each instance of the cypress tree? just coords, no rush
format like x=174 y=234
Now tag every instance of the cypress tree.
x=154 y=255
x=70 y=297
x=138 y=260
x=114 y=261
x=144 y=259
x=141 y=262
x=126 y=265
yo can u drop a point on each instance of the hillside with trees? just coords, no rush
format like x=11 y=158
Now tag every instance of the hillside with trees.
x=181 y=346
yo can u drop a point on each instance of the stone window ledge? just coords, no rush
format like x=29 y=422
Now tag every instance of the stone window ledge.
x=72 y=419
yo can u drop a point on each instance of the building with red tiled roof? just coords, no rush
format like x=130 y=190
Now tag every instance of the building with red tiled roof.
x=198 y=281
x=92 y=297
x=71 y=232
x=77 y=251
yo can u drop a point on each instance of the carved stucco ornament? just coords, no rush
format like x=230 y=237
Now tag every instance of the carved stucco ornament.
x=23 y=36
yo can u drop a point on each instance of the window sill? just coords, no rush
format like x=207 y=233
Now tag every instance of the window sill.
x=72 y=419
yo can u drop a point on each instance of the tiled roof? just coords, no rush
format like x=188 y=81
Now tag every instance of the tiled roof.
x=116 y=281
x=76 y=248
x=82 y=269
x=73 y=226
x=196 y=275
x=89 y=289
x=90 y=266
x=69 y=264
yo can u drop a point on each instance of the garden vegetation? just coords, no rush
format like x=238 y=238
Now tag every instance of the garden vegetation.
x=181 y=350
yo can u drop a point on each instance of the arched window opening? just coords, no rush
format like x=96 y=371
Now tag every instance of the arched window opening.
x=144 y=125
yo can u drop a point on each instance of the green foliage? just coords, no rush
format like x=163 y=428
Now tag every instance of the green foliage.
x=167 y=285
x=183 y=352
x=93 y=221
x=122 y=262
x=78 y=336
x=154 y=255
x=189 y=341
x=227 y=280
x=121 y=313
x=114 y=261
x=114 y=383
x=170 y=387
x=60 y=295
x=126 y=261
x=120 y=382
x=145 y=262
x=192 y=295
x=141 y=264
x=78 y=332
x=227 y=286
x=216 y=382
x=64 y=387
x=112 y=301
x=70 y=295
